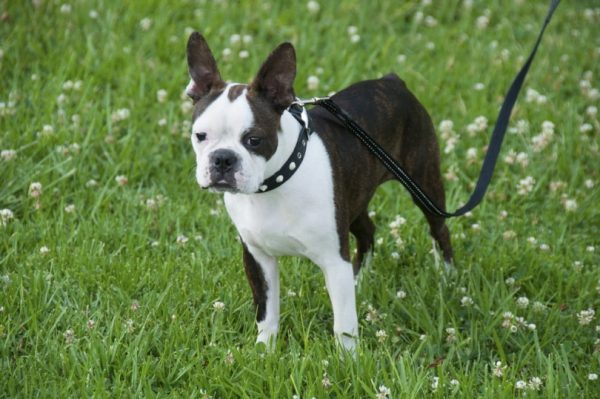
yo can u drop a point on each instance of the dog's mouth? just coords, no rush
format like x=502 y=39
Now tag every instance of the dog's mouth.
x=222 y=186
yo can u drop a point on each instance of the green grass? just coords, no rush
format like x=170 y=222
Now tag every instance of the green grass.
x=118 y=308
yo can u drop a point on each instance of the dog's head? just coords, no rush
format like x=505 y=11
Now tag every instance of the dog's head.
x=235 y=126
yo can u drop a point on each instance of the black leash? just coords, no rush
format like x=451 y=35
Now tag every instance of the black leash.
x=491 y=156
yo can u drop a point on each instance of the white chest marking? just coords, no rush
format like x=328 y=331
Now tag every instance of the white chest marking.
x=298 y=218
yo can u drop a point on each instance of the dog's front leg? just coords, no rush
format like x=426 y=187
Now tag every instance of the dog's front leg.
x=263 y=275
x=339 y=279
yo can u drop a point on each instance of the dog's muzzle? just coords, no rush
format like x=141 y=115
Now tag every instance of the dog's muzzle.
x=222 y=166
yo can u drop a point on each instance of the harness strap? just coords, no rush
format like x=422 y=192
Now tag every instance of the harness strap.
x=489 y=162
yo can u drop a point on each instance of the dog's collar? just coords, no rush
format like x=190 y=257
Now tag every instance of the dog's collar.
x=293 y=162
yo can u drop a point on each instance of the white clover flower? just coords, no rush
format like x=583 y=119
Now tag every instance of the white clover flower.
x=590 y=248
x=478 y=86
x=244 y=54
x=44 y=250
x=186 y=107
x=91 y=324
x=498 y=369
x=588 y=183
x=218 y=306
x=355 y=38
x=121 y=180
x=520 y=384
x=535 y=383
x=383 y=392
x=326 y=382
x=70 y=208
x=381 y=335
x=592 y=376
x=451 y=334
x=509 y=234
x=593 y=94
x=435 y=382
x=91 y=183
x=532 y=240
x=93 y=14
x=312 y=82
x=313 y=7
x=65 y=9
x=47 y=130
x=401 y=294
x=5 y=216
x=372 y=315
x=401 y=59
x=8 y=155
x=146 y=24
x=592 y=110
x=161 y=95
x=522 y=302
x=466 y=301
x=525 y=185
x=69 y=336
x=454 y=383
x=570 y=205
x=509 y=281
x=226 y=53
x=120 y=115
x=35 y=190
x=586 y=316
x=395 y=255
x=247 y=39
x=235 y=39
x=531 y=327
x=544 y=247
x=586 y=127
x=482 y=22
x=446 y=126
x=162 y=122
x=430 y=21
x=229 y=359
x=472 y=154
x=182 y=240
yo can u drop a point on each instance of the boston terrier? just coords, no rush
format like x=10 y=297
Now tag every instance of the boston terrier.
x=290 y=192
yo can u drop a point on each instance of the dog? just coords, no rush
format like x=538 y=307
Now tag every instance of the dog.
x=244 y=135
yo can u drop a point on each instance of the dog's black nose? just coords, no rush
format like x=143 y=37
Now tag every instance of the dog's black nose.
x=223 y=161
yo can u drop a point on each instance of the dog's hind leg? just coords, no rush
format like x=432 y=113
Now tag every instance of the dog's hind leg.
x=263 y=275
x=439 y=231
x=431 y=180
x=364 y=230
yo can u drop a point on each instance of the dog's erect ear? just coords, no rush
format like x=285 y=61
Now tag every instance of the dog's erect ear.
x=275 y=79
x=202 y=67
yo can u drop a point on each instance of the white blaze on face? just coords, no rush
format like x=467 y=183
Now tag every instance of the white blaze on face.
x=224 y=123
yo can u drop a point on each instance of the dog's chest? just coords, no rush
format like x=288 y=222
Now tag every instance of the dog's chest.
x=298 y=218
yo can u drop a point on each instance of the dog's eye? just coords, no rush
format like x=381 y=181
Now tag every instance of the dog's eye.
x=253 y=141
x=200 y=136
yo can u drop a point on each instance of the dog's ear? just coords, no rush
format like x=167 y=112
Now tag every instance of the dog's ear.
x=202 y=67
x=275 y=79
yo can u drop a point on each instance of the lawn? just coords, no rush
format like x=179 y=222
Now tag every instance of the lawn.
x=119 y=277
